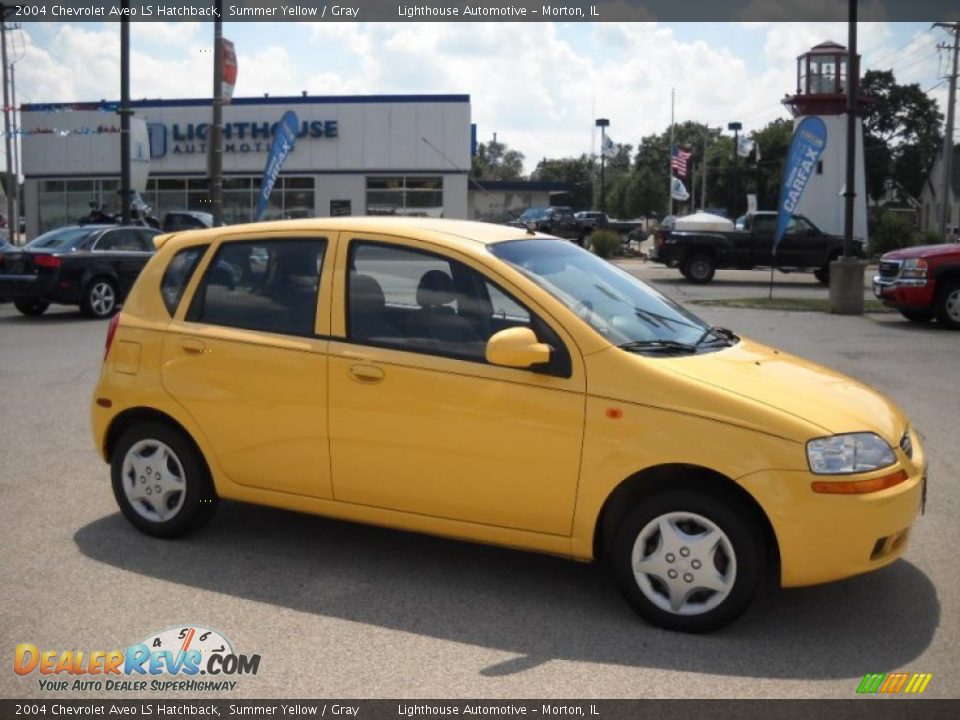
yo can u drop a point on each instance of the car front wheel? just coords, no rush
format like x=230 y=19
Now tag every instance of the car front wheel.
x=160 y=481
x=688 y=561
x=948 y=305
x=99 y=299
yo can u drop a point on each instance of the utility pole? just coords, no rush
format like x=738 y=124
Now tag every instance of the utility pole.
x=853 y=74
x=13 y=220
x=126 y=194
x=216 y=130
x=703 y=178
x=670 y=155
x=948 y=135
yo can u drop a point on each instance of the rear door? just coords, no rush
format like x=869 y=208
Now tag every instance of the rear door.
x=121 y=253
x=246 y=356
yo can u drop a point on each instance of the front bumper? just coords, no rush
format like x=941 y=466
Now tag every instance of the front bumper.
x=905 y=293
x=824 y=537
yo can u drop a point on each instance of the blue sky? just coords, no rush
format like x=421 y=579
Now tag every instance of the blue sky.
x=537 y=85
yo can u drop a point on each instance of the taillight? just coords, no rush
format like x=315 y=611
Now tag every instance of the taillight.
x=47 y=261
x=111 y=331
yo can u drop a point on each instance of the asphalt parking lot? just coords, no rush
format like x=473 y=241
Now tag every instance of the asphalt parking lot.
x=340 y=610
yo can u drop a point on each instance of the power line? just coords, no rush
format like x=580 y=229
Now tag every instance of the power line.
x=892 y=53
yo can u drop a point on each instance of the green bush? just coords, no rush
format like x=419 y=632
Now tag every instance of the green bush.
x=605 y=243
x=928 y=237
x=891 y=231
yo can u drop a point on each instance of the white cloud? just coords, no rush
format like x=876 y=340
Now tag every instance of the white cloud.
x=539 y=86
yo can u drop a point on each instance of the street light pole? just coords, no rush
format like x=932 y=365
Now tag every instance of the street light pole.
x=736 y=127
x=603 y=124
x=126 y=194
x=13 y=220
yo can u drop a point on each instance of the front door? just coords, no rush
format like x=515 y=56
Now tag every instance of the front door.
x=246 y=361
x=420 y=423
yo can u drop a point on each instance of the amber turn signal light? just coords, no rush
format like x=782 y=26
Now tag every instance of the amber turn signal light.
x=859 y=487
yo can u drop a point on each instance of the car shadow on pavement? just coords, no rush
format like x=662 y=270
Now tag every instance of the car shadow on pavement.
x=51 y=317
x=540 y=608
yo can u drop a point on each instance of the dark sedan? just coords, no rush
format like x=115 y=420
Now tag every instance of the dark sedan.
x=93 y=266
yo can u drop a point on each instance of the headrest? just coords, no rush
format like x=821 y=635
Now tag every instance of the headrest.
x=435 y=289
x=365 y=292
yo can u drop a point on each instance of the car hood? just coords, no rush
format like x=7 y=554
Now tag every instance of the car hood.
x=796 y=387
x=923 y=251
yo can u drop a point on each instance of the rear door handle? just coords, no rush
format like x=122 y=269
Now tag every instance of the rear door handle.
x=192 y=347
x=366 y=374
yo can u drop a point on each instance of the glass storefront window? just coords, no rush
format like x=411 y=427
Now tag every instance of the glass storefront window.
x=388 y=195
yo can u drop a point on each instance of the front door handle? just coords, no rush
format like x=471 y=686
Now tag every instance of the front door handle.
x=192 y=347
x=366 y=374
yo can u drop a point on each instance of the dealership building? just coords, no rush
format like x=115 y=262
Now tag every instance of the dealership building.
x=354 y=155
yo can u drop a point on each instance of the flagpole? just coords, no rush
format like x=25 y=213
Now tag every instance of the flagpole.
x=670 y=155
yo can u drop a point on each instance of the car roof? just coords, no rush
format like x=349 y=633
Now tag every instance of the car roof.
x=451 y=232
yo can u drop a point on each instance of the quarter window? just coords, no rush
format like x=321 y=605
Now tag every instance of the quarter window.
x=267 y=286
x=121 y=241
x=177 y=276
x=418 y=301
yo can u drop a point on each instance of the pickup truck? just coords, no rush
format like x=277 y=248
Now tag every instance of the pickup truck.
x=700 y=253
x=922 y=283
x=556 y=220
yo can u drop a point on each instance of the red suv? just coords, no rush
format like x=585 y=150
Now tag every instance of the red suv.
x=922 y=283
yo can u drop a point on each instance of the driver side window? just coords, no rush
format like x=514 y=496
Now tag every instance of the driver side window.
x=407 y=299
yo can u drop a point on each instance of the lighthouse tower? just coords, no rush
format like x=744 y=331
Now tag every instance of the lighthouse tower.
x=822 y=92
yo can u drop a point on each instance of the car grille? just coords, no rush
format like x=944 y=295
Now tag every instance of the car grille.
x=889 y=268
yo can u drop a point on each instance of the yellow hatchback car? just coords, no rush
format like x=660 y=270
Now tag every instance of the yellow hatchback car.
x=483 y=383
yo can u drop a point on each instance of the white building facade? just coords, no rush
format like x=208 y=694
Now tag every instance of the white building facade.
x=354 y=155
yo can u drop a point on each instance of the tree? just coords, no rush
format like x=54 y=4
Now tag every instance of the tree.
x=902 y=137
x=577 y=172
x=495 y=161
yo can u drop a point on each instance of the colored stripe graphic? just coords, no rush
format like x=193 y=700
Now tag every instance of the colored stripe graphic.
x=894 y=682
x=918 y=683
x=913 y=683
x=870 y=683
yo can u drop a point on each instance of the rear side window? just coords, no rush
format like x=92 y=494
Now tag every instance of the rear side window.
x=267 y=286
x=177 y=276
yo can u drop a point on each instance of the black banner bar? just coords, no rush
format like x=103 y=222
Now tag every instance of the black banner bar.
x=478 y=10
x=858 y=709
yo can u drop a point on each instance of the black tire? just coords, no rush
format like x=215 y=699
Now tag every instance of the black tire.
x=188 y=497
x=823 y=274
x=100 y=299
x=31 y=308
x=741 y=538
x=917 y=316
x=948 y=305
x=700 y=268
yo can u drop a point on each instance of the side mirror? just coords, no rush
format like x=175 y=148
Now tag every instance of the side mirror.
x=517 y=347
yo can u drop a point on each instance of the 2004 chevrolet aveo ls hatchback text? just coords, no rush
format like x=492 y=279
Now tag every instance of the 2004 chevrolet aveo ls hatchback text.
x=479 y=382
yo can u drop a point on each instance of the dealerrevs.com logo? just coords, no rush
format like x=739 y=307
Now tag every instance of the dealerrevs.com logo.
x=170 y=660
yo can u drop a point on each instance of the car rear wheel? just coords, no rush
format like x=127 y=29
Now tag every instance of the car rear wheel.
x=31 y=308
x=823 y=275
x=948 y=305
x=688 y=561
x=99 y=299
x=160 y=481
x=917 y=316
x=700 y=268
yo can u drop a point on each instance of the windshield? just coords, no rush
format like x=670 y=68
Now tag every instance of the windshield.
x=58 y=239
x=534 y=213
x=614 y=303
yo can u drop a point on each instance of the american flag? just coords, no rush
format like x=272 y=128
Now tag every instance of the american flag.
x=678 y=160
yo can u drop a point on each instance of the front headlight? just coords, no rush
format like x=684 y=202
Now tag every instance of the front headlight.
x=914 y=268
x=851 y=453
